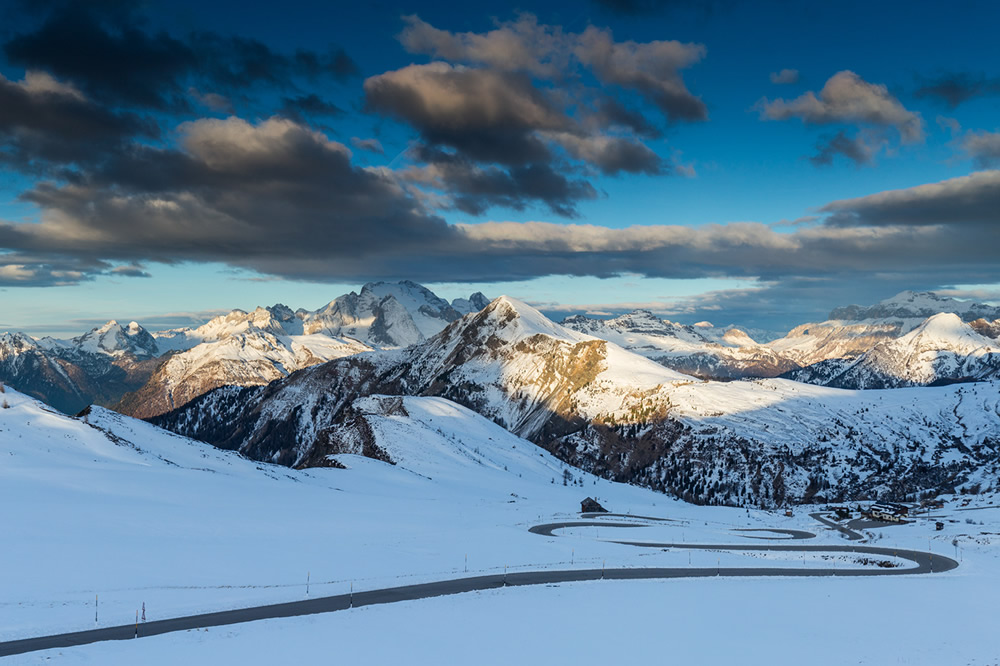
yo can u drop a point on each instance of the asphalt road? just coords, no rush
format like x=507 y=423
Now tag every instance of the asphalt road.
x=925 y=563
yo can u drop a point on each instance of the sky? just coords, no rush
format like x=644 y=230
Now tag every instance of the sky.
x=757 y=163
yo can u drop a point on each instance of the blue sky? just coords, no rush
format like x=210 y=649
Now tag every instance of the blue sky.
x=128 y=190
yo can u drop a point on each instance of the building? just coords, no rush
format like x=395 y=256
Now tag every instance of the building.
x=890 y=512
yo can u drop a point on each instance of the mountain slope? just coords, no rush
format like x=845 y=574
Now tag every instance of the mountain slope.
x=105 y=504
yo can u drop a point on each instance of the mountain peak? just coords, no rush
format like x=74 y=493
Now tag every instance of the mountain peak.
x=916 y=305
x=517 y=320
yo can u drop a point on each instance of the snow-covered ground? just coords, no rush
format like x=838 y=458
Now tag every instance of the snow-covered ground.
x=146 y=517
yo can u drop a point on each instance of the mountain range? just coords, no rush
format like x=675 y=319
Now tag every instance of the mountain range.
x=899 y=342
x=622 y=416
x=144 y=373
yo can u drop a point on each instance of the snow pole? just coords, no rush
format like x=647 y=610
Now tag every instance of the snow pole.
x=352 y=594
x=136 y=624
x=95 y=609
x=572 y=557
x=505 y=575
x=603 y=564
x=307 y=583
x=466 y=563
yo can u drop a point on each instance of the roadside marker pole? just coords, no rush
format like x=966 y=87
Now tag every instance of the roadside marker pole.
x=505 y=575
x=572 y=557
x=307 y=583
x=466 y=563
x=603 y=564
x=95 y=609
x=352 y=594
x=137 y=624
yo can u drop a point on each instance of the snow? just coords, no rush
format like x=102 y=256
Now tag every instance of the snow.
x=150 y=517
x=709 y=621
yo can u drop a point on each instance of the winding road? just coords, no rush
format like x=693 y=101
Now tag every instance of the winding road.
x=925 y=563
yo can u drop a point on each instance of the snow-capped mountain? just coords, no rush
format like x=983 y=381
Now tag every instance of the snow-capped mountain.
x=699 y=350
x=255 y=348
x=917 y=305
x=942 y=349
x=98 y=366
x=622 y=416
x=507 y=362
x=853 y=330
x=145 y=374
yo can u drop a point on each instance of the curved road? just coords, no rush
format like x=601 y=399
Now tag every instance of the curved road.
x=925 y=563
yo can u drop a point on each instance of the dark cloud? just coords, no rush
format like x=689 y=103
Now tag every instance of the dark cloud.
x=475 y=189
x=857 y=149
x=297 y=108
x=43 y=120
x=106 y=50
x=612 y=155
x=236 y=193
x=283 y=200
x=612 y=113
x=499 y=121
x=969 y=201
x=117 y=63
x=651 y=69
x=958 y=87
x=488 y=115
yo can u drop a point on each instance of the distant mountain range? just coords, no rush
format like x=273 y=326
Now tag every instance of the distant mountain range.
x=620 y=415
x=145 y=374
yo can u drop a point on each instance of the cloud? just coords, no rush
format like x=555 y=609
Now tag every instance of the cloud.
x=220 y=197
x=611 y=113
x=498 y=120
x=965 y=202
x=848 y=99
x=298 y=107
x=44 y=120
x=859 y=149
x=651 y=68
x=368 y=145
x=785 y=77
x=213 y=101
x=130 y=270
x=982 y=147
x=474 y=189
x=521 y=45
x=105 y=50
x=957 y=88
x=488 y=115
x=25 y=269
x=611 y=154
x=281 y=199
